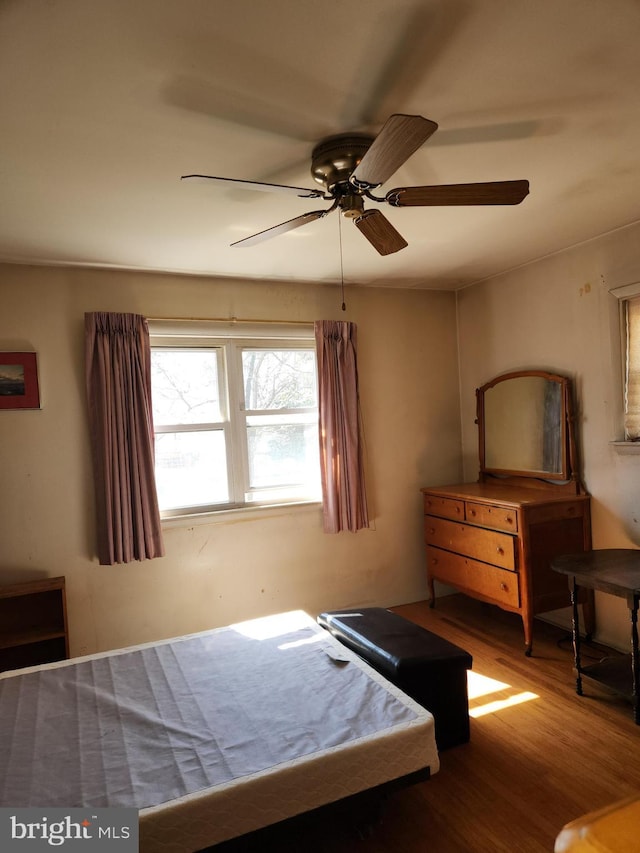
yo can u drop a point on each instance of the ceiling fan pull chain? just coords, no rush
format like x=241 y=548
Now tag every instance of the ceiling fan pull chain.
x=344 y=306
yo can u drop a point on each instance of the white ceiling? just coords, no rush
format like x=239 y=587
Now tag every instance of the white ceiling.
x=104 y=105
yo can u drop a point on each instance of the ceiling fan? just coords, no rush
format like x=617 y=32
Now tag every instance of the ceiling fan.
x=349 y=166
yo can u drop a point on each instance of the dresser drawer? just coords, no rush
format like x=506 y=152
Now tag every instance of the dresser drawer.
x=444 y=507
x=489 y=546
x=496 y=517
x=559 y=512
x=472 y=576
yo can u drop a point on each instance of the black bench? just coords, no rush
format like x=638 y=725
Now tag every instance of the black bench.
x=423 y=665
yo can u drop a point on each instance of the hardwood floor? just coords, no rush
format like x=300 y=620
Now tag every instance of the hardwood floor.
x=541 y=759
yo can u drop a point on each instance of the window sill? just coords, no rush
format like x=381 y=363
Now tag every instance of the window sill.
x=630 y=448
x=245 y=513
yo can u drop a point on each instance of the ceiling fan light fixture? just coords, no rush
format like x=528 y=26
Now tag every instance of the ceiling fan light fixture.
x=351 y=205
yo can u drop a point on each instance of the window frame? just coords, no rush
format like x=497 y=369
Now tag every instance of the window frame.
x=231 y=338
x=624 y=443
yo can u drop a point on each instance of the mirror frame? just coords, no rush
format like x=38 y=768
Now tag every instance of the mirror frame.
x=568 y=473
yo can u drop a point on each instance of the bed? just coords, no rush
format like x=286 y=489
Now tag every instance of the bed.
x=211 y=735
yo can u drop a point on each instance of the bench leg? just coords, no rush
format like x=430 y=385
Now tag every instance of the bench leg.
x=527 y=624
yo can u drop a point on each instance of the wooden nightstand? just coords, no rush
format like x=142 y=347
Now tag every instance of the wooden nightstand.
x=33 y=623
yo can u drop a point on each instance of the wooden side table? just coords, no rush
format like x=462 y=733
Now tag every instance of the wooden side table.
x=617 y=572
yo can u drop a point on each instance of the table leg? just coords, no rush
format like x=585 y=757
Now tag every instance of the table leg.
x=635 y=658
x=575 y=630
x=589 y=613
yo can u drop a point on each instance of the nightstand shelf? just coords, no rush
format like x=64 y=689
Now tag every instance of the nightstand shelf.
x=33 y=623
x=614 y=674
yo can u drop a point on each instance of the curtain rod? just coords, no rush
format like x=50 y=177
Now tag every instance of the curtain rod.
x=227 y=320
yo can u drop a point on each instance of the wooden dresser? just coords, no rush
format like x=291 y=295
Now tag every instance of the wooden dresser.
x=495 y=542
x=495 y=539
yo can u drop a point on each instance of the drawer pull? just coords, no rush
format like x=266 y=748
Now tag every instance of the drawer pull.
x=432 y=530
x=508 y=519
x=473 y=513
x=504 y=587
x=500 y=551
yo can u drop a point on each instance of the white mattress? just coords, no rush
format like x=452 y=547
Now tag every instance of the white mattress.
x=211 y=735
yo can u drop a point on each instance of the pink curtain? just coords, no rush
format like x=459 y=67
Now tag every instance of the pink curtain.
x=118 y=376
x=341 y=451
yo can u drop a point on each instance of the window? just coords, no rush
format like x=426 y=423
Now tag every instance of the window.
x=624 y=318
x=631 y=325
x=236 y=420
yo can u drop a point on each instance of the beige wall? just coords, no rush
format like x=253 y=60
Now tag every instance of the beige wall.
x=557 y=314
x=222 y=571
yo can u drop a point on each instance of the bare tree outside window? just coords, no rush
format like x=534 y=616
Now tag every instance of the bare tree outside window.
x=280 y=403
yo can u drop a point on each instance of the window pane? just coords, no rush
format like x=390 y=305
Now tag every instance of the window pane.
x=279 y=379
x=185 y=386
x=283 y=451
x=191 y=469
x=632 y=389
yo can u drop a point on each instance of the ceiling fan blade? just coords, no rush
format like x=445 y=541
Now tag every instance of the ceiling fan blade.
x=499 y=132
x=380 y=232
x=302 y=192
x=408 y=44
x=289 y=225
x=241 y=105
x=491 y=192
x=400 y=136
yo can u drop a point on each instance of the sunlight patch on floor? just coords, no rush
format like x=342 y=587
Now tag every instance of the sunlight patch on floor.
x=501 y=704
x=480 y=686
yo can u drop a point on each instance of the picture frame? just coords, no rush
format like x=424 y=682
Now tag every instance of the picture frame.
x=19 y=381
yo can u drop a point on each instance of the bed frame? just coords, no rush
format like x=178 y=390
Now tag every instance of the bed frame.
x=212 y=735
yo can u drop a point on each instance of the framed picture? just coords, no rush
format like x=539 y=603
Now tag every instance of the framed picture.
x=19 y=381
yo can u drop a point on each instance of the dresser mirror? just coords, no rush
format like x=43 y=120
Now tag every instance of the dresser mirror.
x=525 y=426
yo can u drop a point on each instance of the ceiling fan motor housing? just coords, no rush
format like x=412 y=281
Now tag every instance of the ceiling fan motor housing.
x=335 y=158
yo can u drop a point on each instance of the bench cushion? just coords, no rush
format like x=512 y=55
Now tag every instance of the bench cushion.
x=427 y=667
x=394 y=643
